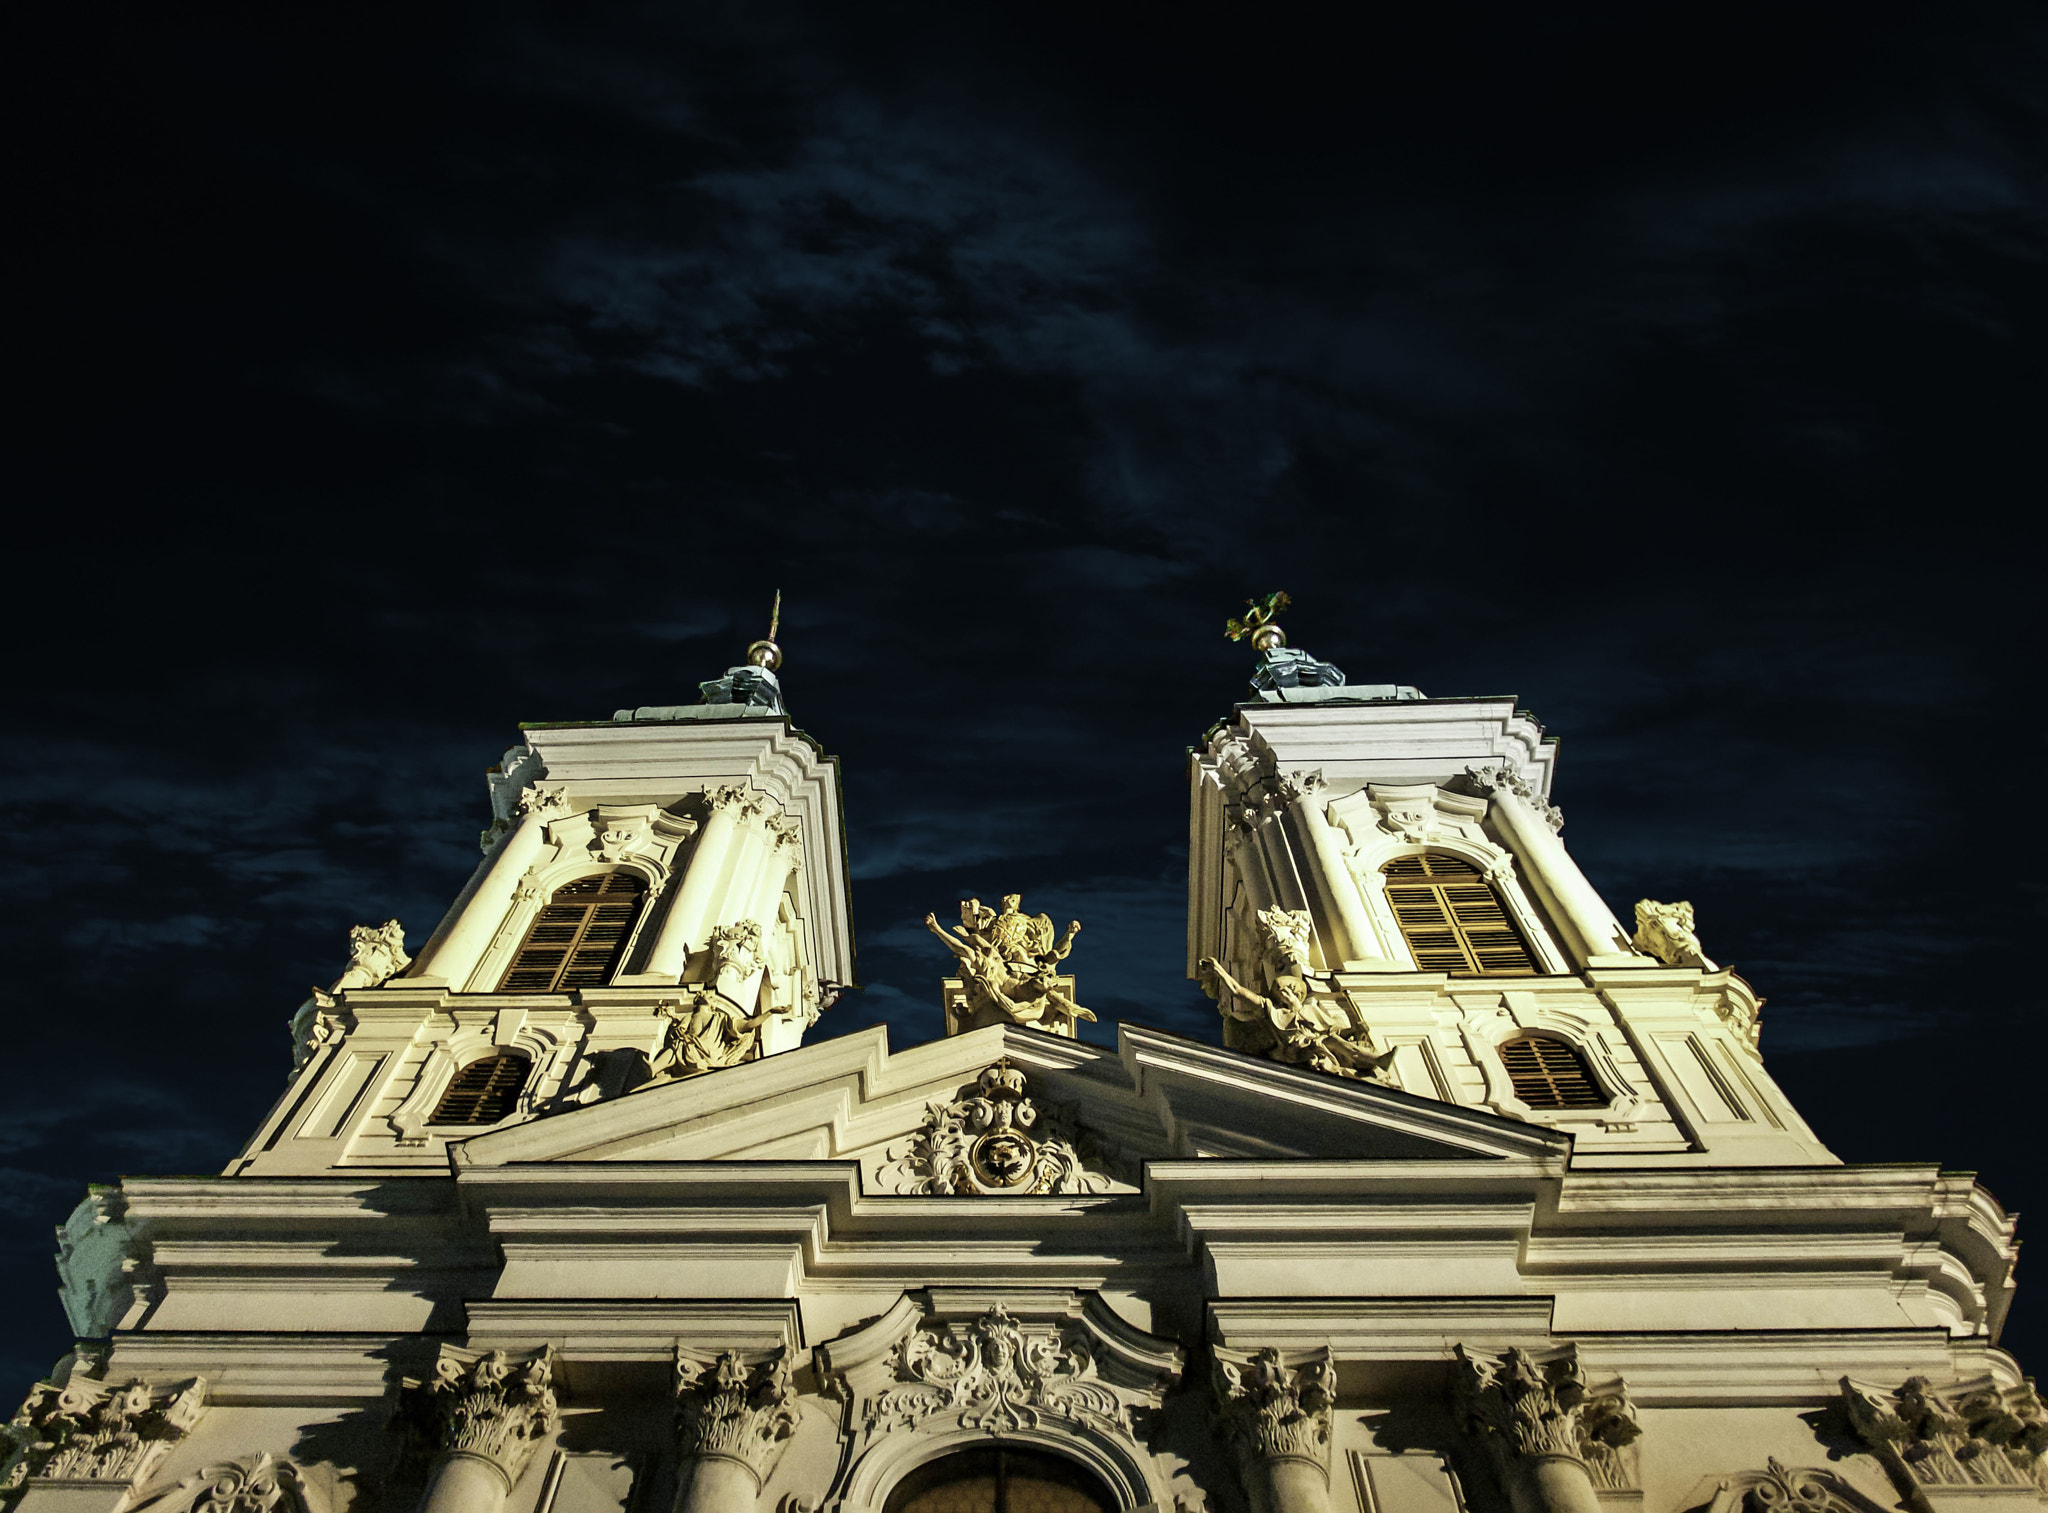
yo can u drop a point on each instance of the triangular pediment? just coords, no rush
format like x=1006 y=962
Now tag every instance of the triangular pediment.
x=1154 y=1097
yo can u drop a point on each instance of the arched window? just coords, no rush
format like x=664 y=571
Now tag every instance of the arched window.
x=1547 y=1073
x=1453 y=920
x=577 y=939
x=484 y=1091
x=1000 y=1479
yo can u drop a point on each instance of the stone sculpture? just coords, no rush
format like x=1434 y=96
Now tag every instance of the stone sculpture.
x=997 y=1139
x=1283 y=1025
x=376 y=954
x=1665 y=931
x=706 y=1031
x=1009 y=966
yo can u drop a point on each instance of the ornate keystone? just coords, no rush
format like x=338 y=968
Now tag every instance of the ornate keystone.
x=1273 y=1412
x=492 y=1407
x=89 y=1431
x=997 y=1375
x=729 y=1410
x=260 y=1484
x=1966 y=1434
x=996 y=1139
x=1529 y=1407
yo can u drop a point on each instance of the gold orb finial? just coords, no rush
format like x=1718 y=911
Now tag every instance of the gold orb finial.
x=764 y=652
x=1258 y=622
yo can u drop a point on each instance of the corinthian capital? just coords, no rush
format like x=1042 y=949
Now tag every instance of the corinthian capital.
x=726 y=1408
x=1272 y=1411
x=742 y=799
x=492 y=1405
x=1973 y=1434
x=85 y=1430
x=1527 y=1405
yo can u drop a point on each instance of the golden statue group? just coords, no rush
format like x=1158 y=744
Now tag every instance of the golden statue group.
x=1009 y=967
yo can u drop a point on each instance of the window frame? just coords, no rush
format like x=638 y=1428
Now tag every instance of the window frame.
x=501 y=978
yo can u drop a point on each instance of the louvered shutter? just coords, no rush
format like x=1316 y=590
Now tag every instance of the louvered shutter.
x=484 y=1091
x=1547 y=1073
x=578 y=937
x=1452 y=919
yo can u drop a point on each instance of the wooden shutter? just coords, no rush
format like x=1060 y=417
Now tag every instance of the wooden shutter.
x=1547 y=1073
x=1452 y=919
x=484 y=1091
x=578 y=937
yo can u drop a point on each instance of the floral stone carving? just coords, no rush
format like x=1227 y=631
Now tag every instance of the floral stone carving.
x=997 y=1139
x=1271 y=1411
x=1968 y=1434
x=1665 y=931
x=260 y=1484
x=1526 y=1405
x=493 y=1405
x=997 y=1375
x=726 y=1408
x=89 y=1431
x=1009 y=967
x=1494 y=779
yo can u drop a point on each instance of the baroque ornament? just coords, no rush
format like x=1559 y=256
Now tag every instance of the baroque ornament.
x=493 y=1405
x=1967 y=1434
x=1271 y=1411
x=996 y=1139
x=1498 y=778
x=262 y=1484
x=88 y=1431
x=999 y=1376
x=1009 y=967
x=1281 y=1022
x=1522 y=1405
x=1665 y=931
x=726 y=1408
x=706 y=1030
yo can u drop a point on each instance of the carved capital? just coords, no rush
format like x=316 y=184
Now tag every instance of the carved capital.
x=1524 y=1404
x=548 y=800
x=743 y=800
x=86 y=1430
x=496 y=1406
x=1272 y=1411
x=1302 y=785
x=1966 y=1434
x=1500 y=779
x=726 y=1407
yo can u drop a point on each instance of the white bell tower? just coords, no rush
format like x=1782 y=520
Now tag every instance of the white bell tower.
x=1377 y=887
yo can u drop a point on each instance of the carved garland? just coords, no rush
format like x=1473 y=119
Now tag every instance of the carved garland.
x=999 y=1376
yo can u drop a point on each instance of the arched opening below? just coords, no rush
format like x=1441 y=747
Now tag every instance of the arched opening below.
x=1000 y=1479
x=1547 y=1073
x=485 y=1091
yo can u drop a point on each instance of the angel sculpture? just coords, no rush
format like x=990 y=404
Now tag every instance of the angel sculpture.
x=1009 y=966
x=1282 y=1027
x=706 y=1031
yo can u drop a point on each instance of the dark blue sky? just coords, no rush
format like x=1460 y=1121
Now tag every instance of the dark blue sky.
x=389 y=381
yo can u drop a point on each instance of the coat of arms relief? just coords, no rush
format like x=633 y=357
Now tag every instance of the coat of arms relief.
x=997 y=1139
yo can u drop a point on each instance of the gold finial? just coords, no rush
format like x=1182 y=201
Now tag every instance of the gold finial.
x=765 y=653
x=1258 y=622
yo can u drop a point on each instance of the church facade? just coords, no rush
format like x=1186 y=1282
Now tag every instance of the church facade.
x=1480 y=1200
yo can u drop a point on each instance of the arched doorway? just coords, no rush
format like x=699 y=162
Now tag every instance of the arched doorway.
x=1000 y=1479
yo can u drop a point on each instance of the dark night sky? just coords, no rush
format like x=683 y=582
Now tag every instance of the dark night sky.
x=385 y=381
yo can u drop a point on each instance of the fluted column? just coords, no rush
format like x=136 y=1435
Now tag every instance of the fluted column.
x=1594 y=936
x=482 y=1414
x=1277 y=1418
x=1540 y=1422
x=733 y=1421
x=453 y=952
x=689 y=921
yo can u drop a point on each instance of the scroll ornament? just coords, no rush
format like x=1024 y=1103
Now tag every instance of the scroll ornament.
x=495 y=1406
x=997 y=1139
x=1271 y=1411
x=730 y=1409
x=1969 y=1434
x=88 y=1431
x=260 y=1484
x=999 y=1376
x=1523 y=1405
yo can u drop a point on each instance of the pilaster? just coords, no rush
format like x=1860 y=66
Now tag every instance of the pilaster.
x=1277 y=1416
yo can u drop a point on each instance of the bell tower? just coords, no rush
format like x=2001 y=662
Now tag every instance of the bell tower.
x=1378 y=887
x=661 y=894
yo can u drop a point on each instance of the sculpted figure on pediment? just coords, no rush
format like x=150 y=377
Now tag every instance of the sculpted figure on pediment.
x=706 y=1031
x=1284 y=1025
x=1009 y=966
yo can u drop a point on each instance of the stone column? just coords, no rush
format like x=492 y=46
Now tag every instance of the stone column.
x=84 y=1446
x=482 y=1414
x=452 y=954
x=690 y=916
x=1550 y=1437
x=733 y=1421
x=1529 y=826
x=1277 y=1418
x=1348 y=932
